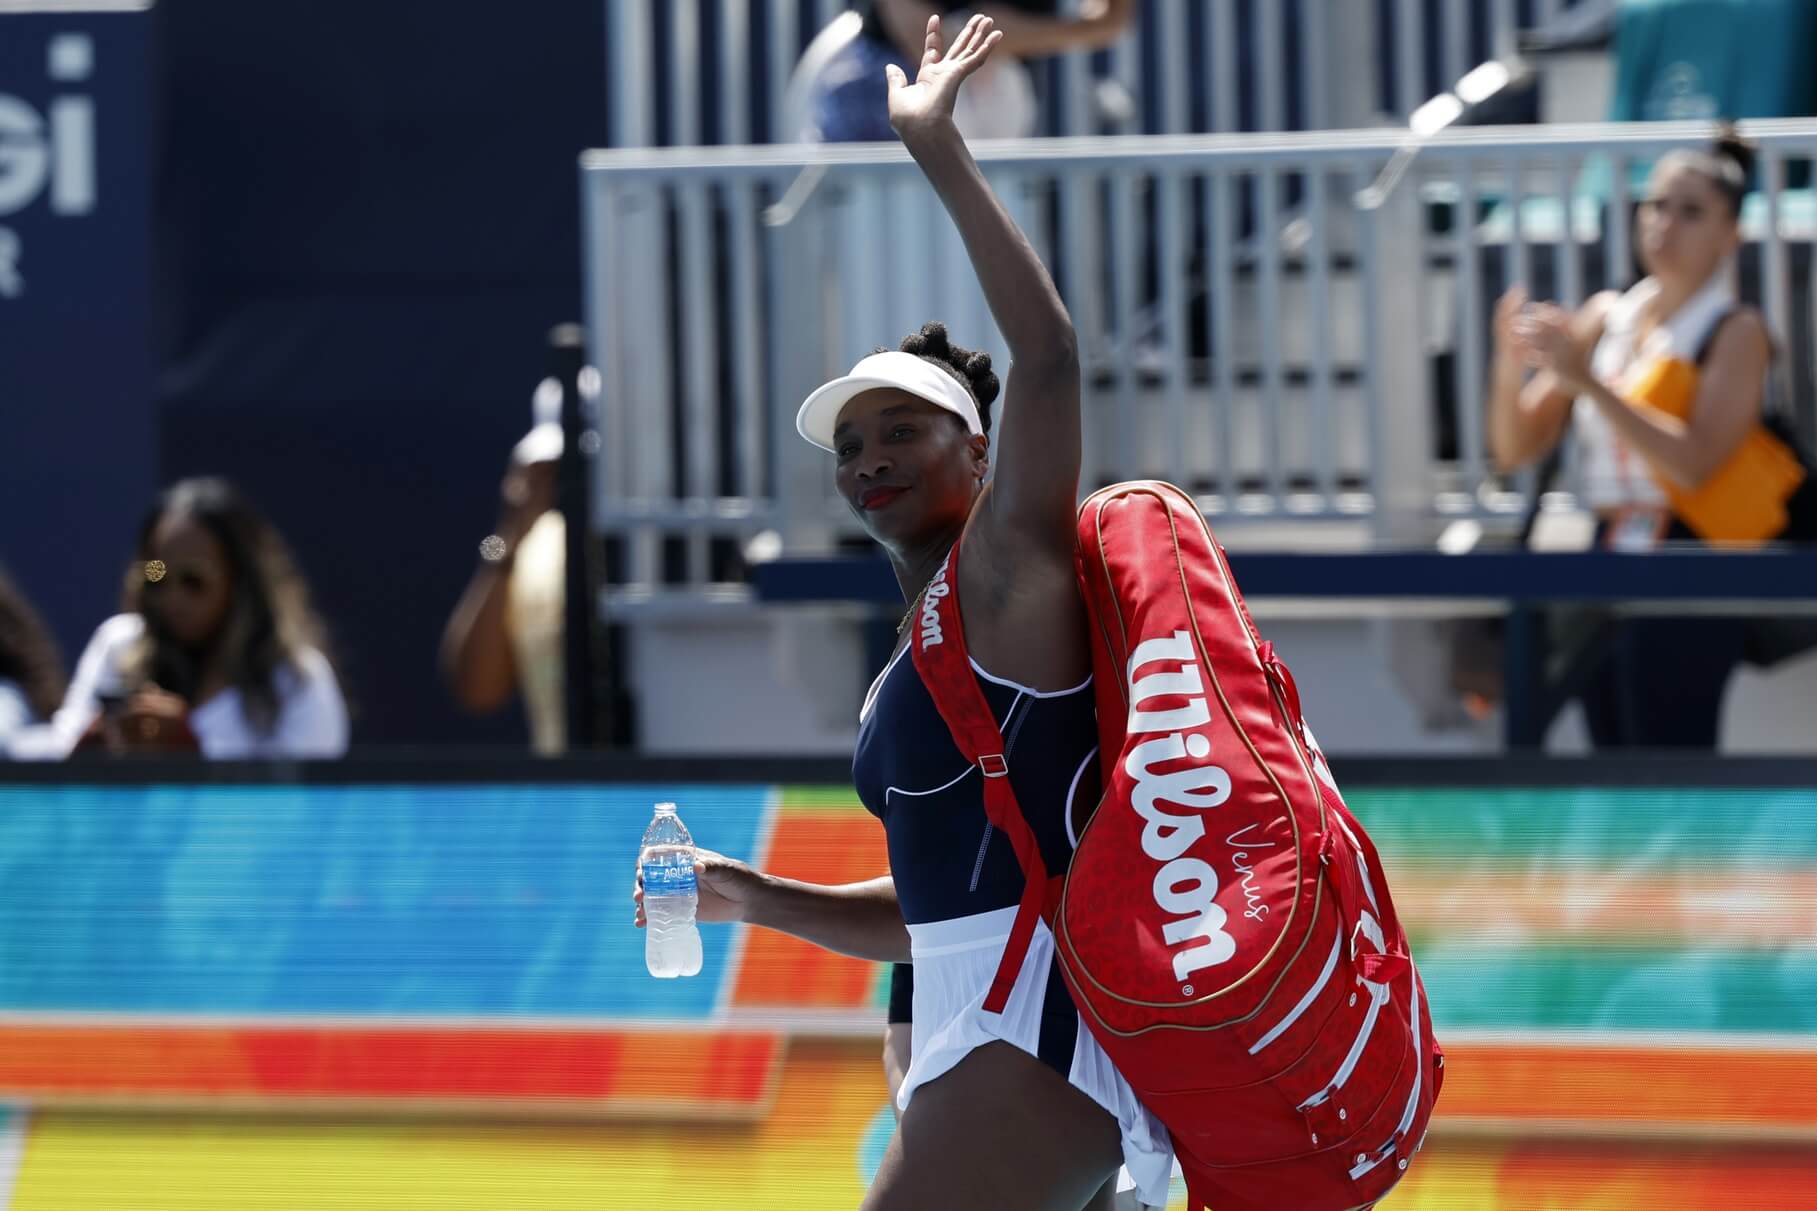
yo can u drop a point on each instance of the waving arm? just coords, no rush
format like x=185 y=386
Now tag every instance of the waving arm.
x=1037 y=468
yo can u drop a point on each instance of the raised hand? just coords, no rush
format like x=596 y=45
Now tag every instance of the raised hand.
x=1508 y=309
x=928 y=102
x=1544 y=340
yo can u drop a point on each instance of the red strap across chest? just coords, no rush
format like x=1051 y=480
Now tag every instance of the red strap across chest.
x=937 y=644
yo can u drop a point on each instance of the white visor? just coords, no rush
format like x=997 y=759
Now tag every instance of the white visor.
x=905 y=372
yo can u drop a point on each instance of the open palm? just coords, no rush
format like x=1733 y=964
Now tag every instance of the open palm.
x=930 y=98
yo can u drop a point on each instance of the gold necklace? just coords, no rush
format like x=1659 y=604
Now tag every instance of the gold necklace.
x=910 y=613
x=916 y=603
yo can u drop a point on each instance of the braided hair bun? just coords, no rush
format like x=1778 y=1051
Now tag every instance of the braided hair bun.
x=972 y=367
x=1727 y=162
x=1729 y=145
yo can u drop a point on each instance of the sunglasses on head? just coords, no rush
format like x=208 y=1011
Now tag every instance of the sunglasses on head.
x=159 y=575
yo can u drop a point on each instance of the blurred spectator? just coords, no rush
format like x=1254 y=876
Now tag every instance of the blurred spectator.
x=216 y=648
x=505 y=635
x=1662 y=389
x=849 y=99
x=31 y=673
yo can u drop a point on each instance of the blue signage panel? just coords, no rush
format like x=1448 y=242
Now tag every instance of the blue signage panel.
x=388 y=901
x=78 y=449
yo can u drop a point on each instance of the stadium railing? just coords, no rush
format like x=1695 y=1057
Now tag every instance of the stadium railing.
x=1248 y=329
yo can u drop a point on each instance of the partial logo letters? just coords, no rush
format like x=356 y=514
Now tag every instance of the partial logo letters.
x=50 y=155
x=1184 y=886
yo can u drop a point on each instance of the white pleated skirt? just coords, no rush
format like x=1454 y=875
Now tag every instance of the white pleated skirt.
x=955 y=962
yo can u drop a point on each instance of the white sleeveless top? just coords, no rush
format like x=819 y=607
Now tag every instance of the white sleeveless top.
x=311 y=722
x=1612 y=475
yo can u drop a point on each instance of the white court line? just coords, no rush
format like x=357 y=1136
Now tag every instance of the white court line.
x=760 y=860
x=12 y=1150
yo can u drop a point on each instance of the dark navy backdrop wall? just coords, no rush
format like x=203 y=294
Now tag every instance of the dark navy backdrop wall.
x=78 y=447
x=370 y=218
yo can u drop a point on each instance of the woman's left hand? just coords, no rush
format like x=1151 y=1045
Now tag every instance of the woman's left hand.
x=928 y=102
x=1544 y=340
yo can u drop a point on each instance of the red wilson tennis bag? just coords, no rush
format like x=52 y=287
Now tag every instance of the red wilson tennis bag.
x=1225 y=925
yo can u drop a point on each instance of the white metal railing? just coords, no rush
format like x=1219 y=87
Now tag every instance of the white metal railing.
x=1247 y=330
x=1185 y=66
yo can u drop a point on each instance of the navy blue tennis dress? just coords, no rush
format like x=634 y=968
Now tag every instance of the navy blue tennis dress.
x=958 y=882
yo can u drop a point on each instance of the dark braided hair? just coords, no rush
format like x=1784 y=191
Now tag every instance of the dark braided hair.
x=28 y=654
x=972 y=367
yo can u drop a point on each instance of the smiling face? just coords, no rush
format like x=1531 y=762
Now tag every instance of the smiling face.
x=905 y=467
x=1686 y=226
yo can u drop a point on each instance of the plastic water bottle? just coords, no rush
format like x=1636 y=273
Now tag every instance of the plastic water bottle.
x=671 y=939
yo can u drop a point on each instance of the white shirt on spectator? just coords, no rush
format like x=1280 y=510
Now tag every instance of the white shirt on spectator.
x=15 y=710
x=311 y=719
x=1613 y=475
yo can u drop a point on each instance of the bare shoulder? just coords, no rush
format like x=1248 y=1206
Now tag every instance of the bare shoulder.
x=1003 y=565
x=1023 y=614
x=1743 y=333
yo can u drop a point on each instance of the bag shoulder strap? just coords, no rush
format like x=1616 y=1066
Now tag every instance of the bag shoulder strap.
x=1715 y=330
x=937 y=645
